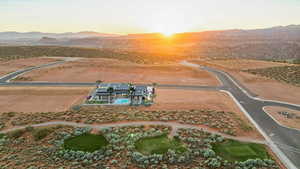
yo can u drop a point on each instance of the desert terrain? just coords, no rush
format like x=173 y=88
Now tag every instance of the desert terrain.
x=178 y=99
x=40 y=99
x=263 y=87
x=212 y=110
x=111 y=70
x=174 y=99
x=14 y=65
x=291 y=120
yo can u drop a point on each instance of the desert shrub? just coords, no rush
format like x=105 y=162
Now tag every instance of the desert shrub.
x=253 y=163
x=16 y=134
x=39 y=134
x=1 y=135
x=213 y=162
x=287 y=74
x=208 y=153
x=29 y=128
x=17 y=52
x=3 y=139
x=76 y=108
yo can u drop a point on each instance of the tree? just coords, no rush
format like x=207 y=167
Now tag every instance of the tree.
x=98 y=82
x=131 y=92
x=154 y=84
x=110 y=90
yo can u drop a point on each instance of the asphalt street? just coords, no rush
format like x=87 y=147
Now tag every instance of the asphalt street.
x=286 y=139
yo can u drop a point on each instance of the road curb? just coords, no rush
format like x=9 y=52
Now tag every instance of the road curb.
x=271 y=144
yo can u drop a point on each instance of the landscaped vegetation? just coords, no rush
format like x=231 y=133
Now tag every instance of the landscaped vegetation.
x=159 y=145
x=39 y=134
x=120 y=150
x=237 y=151
x=95 y=102
x=1 y=135
x=16 y=134
x=287 y=74
x=85 y=142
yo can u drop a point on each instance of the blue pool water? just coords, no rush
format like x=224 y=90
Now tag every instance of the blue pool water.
x=122 y=101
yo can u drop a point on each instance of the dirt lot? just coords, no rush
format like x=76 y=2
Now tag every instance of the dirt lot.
x=264 y=87
x=176 y=99
x=293 y=121
x=268 y=88
x=42 y=99
x=14 y=65
x=111 y=70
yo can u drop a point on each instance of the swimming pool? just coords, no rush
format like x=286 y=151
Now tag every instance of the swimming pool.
x=122 y=101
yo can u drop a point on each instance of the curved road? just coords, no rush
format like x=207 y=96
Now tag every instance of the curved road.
x=285 y=142
x=10 y=76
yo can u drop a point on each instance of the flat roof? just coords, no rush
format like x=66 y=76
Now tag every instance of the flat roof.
x=120 y=88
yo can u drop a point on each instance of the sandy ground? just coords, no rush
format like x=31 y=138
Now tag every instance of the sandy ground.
x=289 y=122
x=14 y=65
x=269 y=88
x=264 y=87
x=174 y=99
x=243 y=64
x=111 y=70
x=42 y=99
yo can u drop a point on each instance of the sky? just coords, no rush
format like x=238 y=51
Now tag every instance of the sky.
x=145 y=16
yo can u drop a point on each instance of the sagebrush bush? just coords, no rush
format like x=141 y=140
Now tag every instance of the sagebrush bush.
x=16 y=134
x=29 y=128
x=39 y=134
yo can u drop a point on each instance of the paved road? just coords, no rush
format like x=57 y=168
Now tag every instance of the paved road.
x=284 y=141
x=87 y=84
x=174 y=125
x=5 y=80
x=15 y=74
x=10 y=76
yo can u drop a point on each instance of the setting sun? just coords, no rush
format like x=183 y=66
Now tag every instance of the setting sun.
x=168 y=34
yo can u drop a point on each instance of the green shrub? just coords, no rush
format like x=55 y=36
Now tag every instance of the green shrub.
x=16 y=134
x=29 y=128
x=39 y=134
x=1 y=135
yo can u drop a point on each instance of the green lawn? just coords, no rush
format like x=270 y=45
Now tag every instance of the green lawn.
x=159 y=145
x=238 y=151
x=86 y=142
x=95 y=102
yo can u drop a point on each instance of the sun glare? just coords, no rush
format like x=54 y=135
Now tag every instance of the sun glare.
x=167 y=21
x=168 y=34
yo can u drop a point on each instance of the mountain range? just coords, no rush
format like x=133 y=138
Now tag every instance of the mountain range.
x=281 y=32
x=282 y=42
x=39 y=35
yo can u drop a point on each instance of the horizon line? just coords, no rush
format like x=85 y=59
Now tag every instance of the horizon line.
x=133 y=33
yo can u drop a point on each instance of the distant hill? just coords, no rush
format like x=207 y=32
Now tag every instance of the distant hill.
x=48 y=40
x=290 y=32
x=39 y=35
x=276 y=43
x=280 y=32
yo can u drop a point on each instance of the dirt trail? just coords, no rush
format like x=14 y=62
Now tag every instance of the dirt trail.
x=174 y=125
